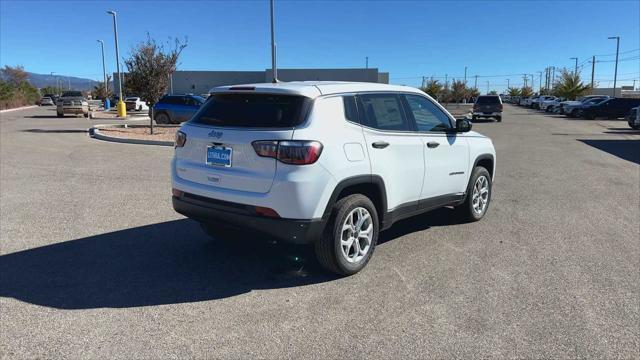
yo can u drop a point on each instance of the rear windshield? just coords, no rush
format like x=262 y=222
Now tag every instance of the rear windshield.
x=252 y=110
x=488 y=100
x=72 y=94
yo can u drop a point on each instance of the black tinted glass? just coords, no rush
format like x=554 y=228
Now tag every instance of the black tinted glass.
x=350 y=109
x=72 y=94
x=488 y=100
x=252 y=110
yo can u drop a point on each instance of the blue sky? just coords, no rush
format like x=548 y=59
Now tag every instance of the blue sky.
x=408 y=39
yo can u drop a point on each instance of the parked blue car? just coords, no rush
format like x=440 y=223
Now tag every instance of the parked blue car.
x=174 y=109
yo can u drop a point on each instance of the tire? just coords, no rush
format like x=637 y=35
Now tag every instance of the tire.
x=499 y=118
x=467 y=211
x=140 y=108
x=162 y=118
x=86 y=115
x=329 y=248
x=473 y=118
x=60 y=115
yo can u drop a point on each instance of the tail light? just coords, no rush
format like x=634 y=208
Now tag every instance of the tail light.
x=500 y=107
x=181 y=139
x=289 y=152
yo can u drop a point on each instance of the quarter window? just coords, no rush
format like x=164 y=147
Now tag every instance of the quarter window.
x=384 y=112
x=428 y=116
x=350 y=109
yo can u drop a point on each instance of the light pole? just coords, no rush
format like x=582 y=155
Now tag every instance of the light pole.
x=366 y=62
x=575 y=70
x=274 y=66
x=615 y=74
x=122 y=110
x=104 y=75
x=57 y=85
x=465 y=76
x=487 y=87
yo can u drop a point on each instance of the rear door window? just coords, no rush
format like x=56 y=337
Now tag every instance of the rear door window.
x=253 y=110
x=384 y=112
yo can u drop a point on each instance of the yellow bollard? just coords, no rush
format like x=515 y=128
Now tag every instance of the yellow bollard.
x=122 y=109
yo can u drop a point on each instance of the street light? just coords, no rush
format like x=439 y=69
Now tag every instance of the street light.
x=615 y=74
x=57 y=85
x=575 y=70
x=122 y=110
x=104 y=74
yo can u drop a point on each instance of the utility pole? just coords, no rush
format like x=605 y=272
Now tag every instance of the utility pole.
x=508 y=87
x=553 y=77
x=575 y=69
x=274 y=67
x=533 y=84
x=487 y=87
x=423 y=82
x=540 y=72
x=475 y=85
x=615 y=74
x=593 y=69
x=446 y=82
x=366 y=62
x=122 y=110
x=524 y=76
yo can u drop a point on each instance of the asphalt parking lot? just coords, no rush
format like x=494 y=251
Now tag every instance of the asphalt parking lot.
x=94 y=263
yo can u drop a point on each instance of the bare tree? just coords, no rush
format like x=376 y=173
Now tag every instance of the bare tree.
x=149 y=66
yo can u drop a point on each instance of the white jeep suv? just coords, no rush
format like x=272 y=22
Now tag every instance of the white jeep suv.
x=327 y=163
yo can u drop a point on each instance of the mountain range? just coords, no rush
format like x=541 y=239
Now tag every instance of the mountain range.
x=43 y=80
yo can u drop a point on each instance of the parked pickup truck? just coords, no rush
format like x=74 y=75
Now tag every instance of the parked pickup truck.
x=72 y=102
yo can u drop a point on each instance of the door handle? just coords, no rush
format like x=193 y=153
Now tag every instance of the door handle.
x=433 y=144
x=380 y=144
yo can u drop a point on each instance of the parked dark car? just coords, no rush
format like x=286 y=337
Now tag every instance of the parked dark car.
x=487 y=106
x=633 y=118
x=612 y=108
x=174 y=109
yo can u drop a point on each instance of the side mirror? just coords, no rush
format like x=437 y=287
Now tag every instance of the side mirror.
x=463 y=125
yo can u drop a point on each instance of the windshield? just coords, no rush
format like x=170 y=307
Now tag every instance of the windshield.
x=252 y=110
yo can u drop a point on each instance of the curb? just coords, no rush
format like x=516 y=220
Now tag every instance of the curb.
x=18 y=108
x=95 y=133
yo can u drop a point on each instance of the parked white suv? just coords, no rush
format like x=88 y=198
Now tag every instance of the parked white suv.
x=327 y=163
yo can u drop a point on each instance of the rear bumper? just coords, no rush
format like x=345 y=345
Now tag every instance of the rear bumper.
x=242 y=216
x=486 y=114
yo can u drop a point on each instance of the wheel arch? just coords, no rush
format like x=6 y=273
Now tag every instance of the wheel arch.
x=371 y=186
x=487 y=161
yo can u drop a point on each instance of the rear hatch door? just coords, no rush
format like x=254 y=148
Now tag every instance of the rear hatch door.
x=219 y=151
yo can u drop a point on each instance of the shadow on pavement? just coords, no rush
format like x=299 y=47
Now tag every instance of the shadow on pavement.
x=165 y=263
x=625 y=149
x=55 y=131
x=440 y=217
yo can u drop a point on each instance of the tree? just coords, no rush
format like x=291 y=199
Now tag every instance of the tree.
x=15 y=75
x=570 y=85
x=433 y=88
x=513 y=91
x=492 y=92
x=149 y=66
x=101 y=91
x=16 y=90
x=526 y=91
x=458 y=91
x=473 y=92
